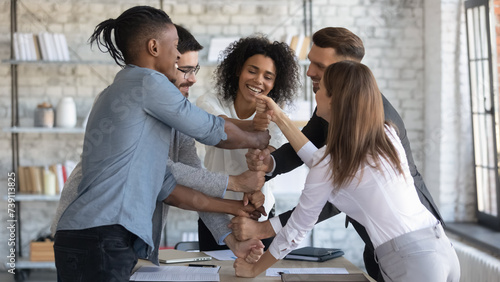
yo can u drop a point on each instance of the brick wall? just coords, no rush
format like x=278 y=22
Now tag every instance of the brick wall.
x=393 y=33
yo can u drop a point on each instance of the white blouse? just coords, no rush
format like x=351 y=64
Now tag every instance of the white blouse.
x=233 y=162
x=384 y=202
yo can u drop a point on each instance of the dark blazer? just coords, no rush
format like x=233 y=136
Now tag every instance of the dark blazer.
x=316 y=131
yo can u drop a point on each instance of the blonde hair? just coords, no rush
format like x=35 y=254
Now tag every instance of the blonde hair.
x=356 y=127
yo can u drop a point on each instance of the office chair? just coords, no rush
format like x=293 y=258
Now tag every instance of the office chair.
x=188 y=246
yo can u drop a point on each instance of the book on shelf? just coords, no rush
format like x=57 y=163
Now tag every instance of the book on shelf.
x=299 y=44
x=44 y=180
x=314 y=254
x=43 y=46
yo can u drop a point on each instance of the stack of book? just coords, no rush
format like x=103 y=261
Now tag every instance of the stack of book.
x=299 y=44
x=48 y=180
x=42 y=251
x=43 y=46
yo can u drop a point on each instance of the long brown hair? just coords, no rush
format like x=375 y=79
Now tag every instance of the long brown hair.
x=356 y=127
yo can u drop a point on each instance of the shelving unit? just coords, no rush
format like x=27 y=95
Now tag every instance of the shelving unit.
x=32 y=197
x=23 y=264
x=15 y=129
x=72 y=62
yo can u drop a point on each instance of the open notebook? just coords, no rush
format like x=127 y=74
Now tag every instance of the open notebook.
x=176 y=256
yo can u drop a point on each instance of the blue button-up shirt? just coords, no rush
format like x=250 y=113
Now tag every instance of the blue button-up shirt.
x=124 y=158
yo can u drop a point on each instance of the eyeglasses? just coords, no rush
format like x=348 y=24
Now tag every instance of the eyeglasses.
x=188 y=71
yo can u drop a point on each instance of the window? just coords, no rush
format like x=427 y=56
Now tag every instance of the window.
x=485 y=102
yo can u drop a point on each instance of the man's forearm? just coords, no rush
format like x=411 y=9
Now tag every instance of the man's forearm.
x=209 y=183
x=217 y=223
x=189 y=199
x=246 y=125
x=240 y=139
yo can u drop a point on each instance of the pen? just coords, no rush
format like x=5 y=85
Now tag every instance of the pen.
x=202 y=265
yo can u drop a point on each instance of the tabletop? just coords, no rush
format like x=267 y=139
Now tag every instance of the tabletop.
x=226 y=271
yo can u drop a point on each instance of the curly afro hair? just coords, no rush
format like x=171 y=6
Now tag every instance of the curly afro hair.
x=234 y=57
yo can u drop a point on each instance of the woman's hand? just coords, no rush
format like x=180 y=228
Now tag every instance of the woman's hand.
x=261 y=121
x=267 y=105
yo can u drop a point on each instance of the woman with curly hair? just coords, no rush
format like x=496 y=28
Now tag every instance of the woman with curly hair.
x=251 y=66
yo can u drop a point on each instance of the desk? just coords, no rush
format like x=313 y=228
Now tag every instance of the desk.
x=226 y=271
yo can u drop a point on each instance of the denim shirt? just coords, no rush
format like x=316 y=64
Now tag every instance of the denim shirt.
x=124 y=158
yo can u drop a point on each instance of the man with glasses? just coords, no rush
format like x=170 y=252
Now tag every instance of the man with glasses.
x=188 y=68
x=184 y=162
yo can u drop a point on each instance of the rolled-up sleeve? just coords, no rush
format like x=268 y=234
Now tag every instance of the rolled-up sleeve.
x=306 y=153
x=171 y=108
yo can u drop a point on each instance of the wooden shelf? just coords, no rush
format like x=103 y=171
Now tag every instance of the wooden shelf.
x=72 y=62
x=34 y=197
x=205 y=63
x=25 y=263
x=75 y=130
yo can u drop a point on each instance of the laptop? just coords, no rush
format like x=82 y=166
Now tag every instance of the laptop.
x=176 y=256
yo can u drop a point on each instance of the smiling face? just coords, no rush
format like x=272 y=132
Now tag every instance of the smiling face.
x=187 y=61
x=256 y=78
x=320 y=59
x=168 y=55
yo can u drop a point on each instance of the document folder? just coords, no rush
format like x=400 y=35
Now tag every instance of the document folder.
x=314 y=254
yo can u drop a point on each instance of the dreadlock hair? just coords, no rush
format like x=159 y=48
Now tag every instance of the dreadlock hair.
x=187 y=42
x=356 y=126
x=131 y=30
x=287 y=70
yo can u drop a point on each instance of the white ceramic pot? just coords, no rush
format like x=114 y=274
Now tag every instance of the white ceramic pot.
x=66 y=113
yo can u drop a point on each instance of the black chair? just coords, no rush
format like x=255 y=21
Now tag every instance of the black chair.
x=188 y=246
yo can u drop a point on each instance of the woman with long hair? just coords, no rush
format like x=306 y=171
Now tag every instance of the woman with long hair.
x=363 y=171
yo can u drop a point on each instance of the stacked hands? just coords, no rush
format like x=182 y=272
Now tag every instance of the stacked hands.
x=245 y=228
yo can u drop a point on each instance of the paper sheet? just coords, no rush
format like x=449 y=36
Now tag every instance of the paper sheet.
x=312 y=270
x=176 y=273
x=221 y=255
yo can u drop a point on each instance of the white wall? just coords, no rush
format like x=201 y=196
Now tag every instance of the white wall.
x=448 y=141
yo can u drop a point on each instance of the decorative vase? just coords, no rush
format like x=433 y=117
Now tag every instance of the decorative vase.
x=66 y=113
x=44 y=115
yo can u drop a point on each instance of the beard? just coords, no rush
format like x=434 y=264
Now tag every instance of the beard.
x=187 y=84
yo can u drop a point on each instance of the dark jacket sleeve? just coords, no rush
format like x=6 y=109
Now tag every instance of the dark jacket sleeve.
x=286 y=159
x=423 y=193
x=328 y=211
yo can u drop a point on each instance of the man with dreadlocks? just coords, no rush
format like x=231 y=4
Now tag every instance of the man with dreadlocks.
x=125 y=179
